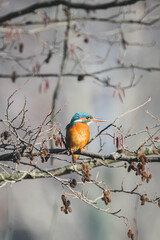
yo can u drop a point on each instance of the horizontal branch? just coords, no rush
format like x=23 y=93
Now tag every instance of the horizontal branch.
x=36 y=174
x=147 y=22
x=83 y=6
x=113 y=157
x=96 y=160
x=43 y=75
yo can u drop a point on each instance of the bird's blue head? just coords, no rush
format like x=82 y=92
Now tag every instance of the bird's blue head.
x=82 y=117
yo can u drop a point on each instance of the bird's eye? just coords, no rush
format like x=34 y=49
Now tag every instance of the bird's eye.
x=87 y=117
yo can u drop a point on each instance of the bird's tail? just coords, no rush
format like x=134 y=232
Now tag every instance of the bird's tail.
x=75 y=157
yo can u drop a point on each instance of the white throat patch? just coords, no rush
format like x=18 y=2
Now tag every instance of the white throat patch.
x=80 y=120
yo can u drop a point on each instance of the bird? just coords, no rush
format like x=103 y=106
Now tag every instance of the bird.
x=77 y=132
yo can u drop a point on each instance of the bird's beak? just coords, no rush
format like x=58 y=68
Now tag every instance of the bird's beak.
x=96 y=120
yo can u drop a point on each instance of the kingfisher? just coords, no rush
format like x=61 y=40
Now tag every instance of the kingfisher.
x=77 y=132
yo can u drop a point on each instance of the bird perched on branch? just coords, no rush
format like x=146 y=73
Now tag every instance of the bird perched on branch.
x=77 y=132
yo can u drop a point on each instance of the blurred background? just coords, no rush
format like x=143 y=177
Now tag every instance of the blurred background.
x=30 y=209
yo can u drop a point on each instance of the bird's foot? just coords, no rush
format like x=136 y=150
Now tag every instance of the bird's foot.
x=81 y=149
x=71 y=151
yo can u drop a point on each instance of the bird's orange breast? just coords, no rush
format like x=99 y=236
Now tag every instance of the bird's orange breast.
x=77 y=136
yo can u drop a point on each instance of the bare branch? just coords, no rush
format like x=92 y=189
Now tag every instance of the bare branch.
x=43 y=75
x=68 y=4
